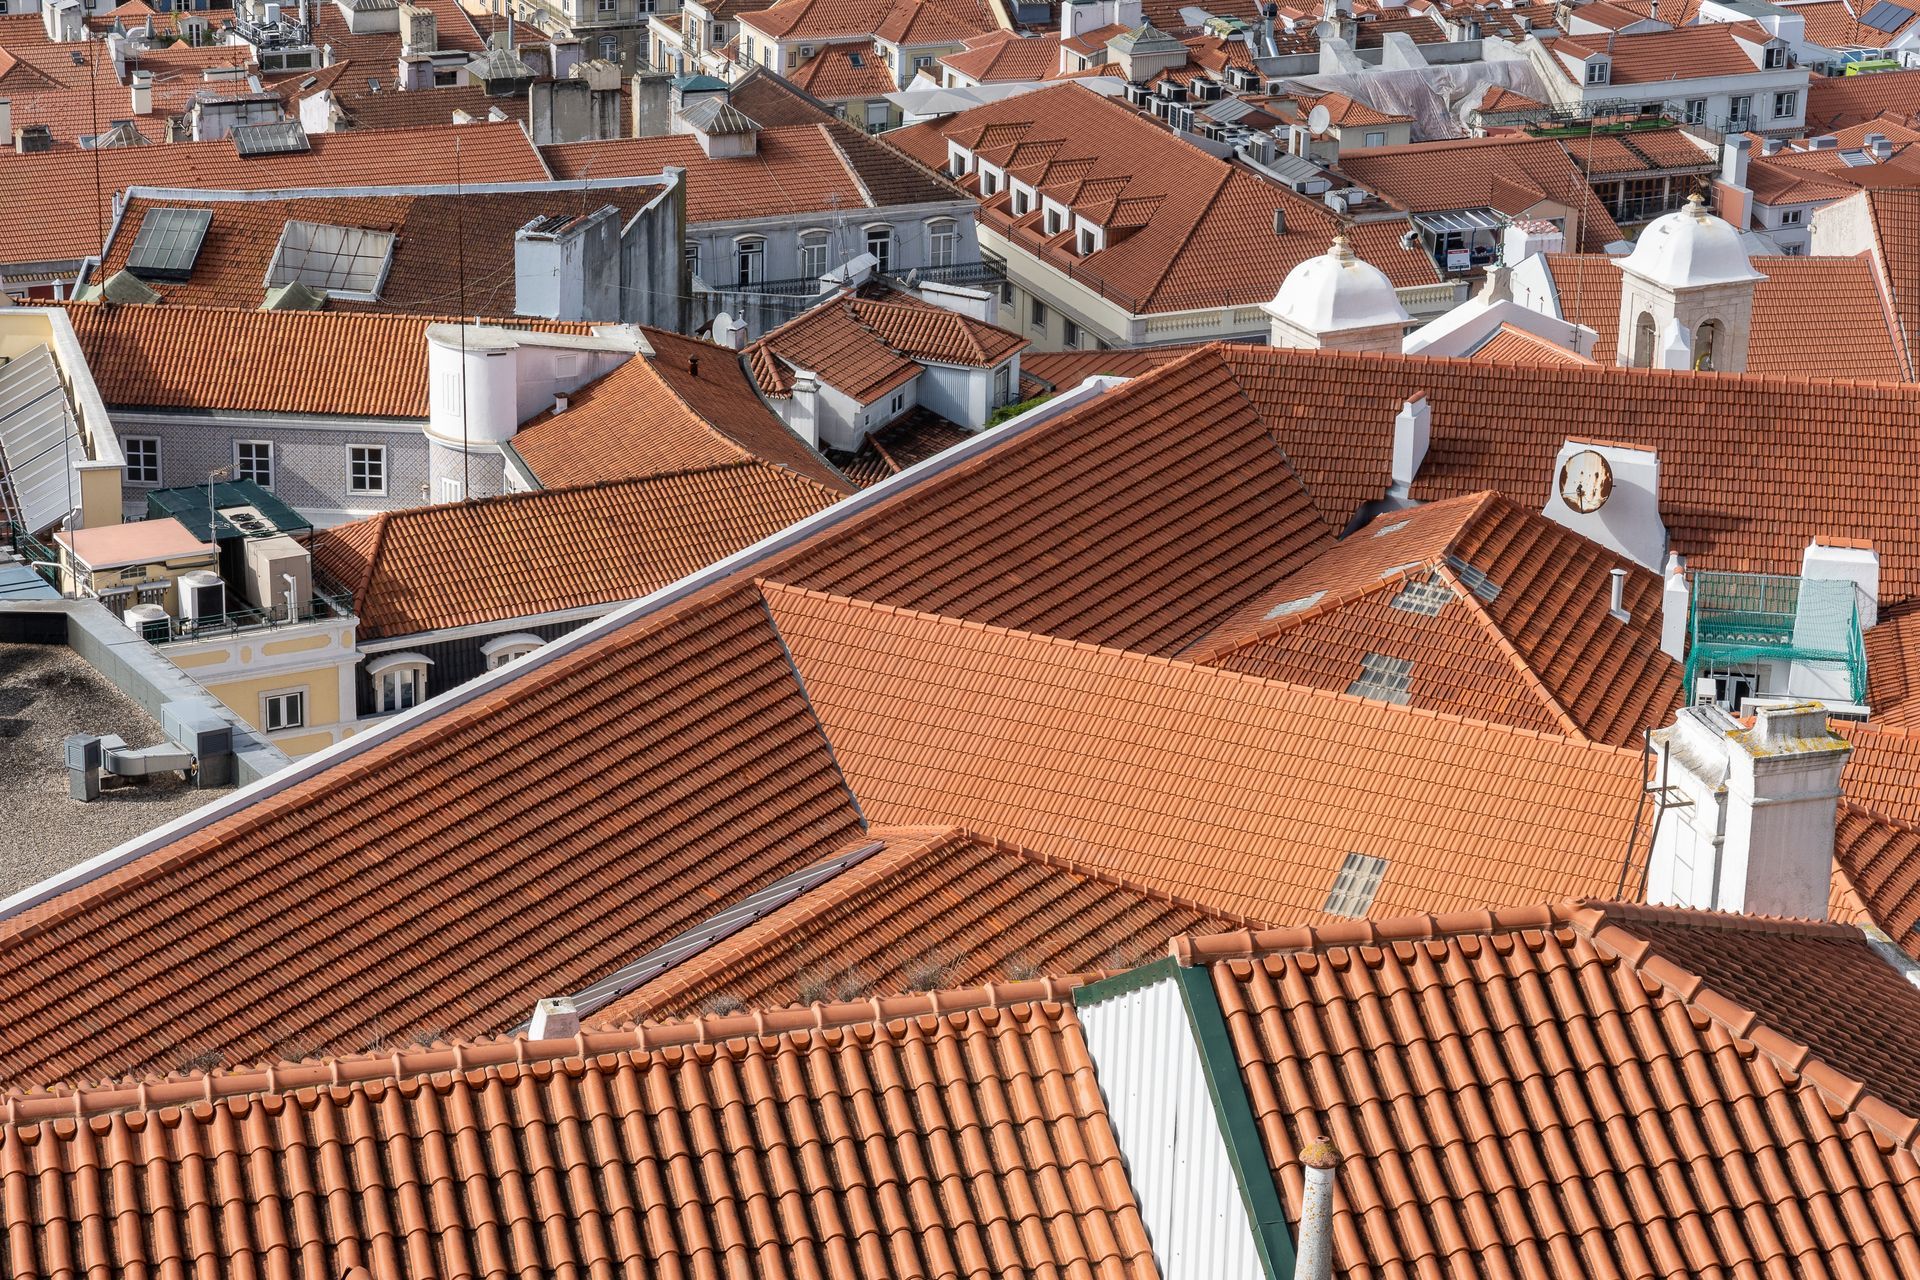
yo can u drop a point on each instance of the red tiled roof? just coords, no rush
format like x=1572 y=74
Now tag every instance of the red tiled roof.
x=1834 y=102
x=61 y=183
x=1543 y=653
x=1511 y=173
x=1854 y=341
x=1893 y=669
x=844 y=71
x=1895 y=217
x=429 y=568
x=1066 y=369
x=420 y=108
x=896 y=21
x=1241 y=794
x=1185 y=230
x=1501 y=98
x=317 y=362
x=1834 y=24
x=1698 y=52
x=918 y=435
x=866 y=347
x=1558 y=1089
x=937 y=907
x=964 y=1136
x=688 y=405
x=1874 y=858
x=1346 y=112
x=1512 y=345
x=1005 y=55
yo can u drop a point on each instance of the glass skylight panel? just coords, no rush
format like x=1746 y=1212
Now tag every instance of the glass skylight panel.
x=168 y=242
x=1383 y=678
x=279 y=138
x=1427 y=597
x=1355 y=886
x=1286 y=607
x=350 y=262
x=1473 y=580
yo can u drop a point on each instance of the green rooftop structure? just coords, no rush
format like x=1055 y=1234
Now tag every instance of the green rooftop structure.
x=229 y=508
x=1776 y=635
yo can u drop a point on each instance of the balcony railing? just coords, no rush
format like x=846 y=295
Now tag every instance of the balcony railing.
x=1739 y=620
x=322 y=606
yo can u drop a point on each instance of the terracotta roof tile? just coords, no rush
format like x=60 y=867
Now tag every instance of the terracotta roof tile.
x=900 y=444
x=1067 y=369
x=1628 y=1110
x=688 y=405
x=841 y=71
x=1896 y=242
x=327 y=362
x=1703 y=51
x=350 y=912
x=1237 y=793
x=937 y=907
x=421 y=108
x=866 y=346
x=1183 y=226
x=1513 y=345
x=1832 y=24
x=1855 y=341
x=1006 y=55
x=453 y=565
x=959 y=1137
x=1833 y=102
x=1877 y=860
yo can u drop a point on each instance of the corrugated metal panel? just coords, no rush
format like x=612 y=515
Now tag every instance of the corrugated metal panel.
x=39 y=442
x=1162 y=1111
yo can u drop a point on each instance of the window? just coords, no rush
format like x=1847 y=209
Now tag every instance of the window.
x=1056 y=221
x=1791 y=217
x=1739 y=109
x=501 y=650
x=399 y=681
x=1643 y=341
x=607 y=6
x=813 y=253
x=1383 y=678
x=609 y=49
x=1355 y=885
x=693 y=259
x=1776 y=57
x=1793 y=250
x=1596 y=73
x=367 y=468
x=1087 y=242
x=1022 y=202
x=921 y=61
x=285 y=710
x=1785 y=104
x=1696 y=110
x=1706 y=340
x=989 y=181
x=143 y=459
x=749 y=261
x=1038 y=312
x=253 y=460
x=1003 y=385
x=899 y=403
x=880 y=245
x=1069 y=332
x=877 y=116
x=943 y=243
x=1376 y=137
x=451 y=490
x=718 y=33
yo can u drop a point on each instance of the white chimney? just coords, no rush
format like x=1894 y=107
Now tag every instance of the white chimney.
x=1525 y=237
x=1313 y=1257
x=559 y=404
x=6 y=119
x=1879 y=147
x=1617 y=603
x=1846 y=560
x=1412 y=432
x=803 y=418
x=555 y=1018
x=1749 y=821
x=142 y=90
x=1675 y=603
x=1610 y=494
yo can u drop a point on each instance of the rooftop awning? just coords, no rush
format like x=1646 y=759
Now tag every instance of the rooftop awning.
x=1461 y=220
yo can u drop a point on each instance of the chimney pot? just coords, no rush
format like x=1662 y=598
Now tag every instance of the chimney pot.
x=559 y=404
x=693 y=365
x=1617 y=603
x=1314 y=1257
x=556 y=1018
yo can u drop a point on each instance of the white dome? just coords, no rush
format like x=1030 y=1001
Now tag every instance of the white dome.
x=1335 y=291
x=1689 y=249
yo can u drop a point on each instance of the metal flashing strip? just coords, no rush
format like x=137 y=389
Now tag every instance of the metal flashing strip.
x=690 y=943
x=385 y=731
x=263 y=195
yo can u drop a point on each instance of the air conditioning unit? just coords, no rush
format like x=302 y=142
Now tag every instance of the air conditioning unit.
x=203 y=596
x=1243 y=79
x=1207 y=90
x=148 y=621
x=1137 y=94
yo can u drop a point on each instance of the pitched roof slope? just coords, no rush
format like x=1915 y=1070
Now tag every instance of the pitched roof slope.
x=351 y=911
x=1504 y=615
x=314 y=362
x=940 y=906
x=1834 y=102
x=517 y=555
x=1242 y=794
x=1554 y=1089
x=965 y=1136
x=1126 y=536
x=1896 y=240
x=684 y=405
x=866 y=346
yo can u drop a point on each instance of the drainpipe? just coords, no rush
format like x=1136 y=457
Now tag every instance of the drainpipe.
x=1314 y=1250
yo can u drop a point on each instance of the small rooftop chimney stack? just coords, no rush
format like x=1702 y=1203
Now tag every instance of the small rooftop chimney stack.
x=1313 y=1258
x=1878 y=147
x=559 y=404
x=1617 y=602
x=1412 y=432
x=1675 y=602
x=555 y=1018
x=1279 y=222
x=142 y=91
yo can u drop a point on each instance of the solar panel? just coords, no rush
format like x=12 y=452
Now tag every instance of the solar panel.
x=38 y=439
x=282 y=137
x=350 y=261
x=168 y=243
x=1886 y=16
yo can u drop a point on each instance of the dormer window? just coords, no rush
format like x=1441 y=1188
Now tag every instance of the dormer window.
x=399 y=681
x=1088 y=240
x=1022 y=200
x=501 y=650
x=959 y=159
x=1056 y=219
x=1776 y=57
x=1598 y=71
x=989 y=180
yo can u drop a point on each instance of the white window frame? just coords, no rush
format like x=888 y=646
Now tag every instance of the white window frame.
x=943 y=242
x=1774 y=58
x=749 y=261
x=378 y=456
x=1021 y=198
x=1598 y=71
x=959 y=159
x=1786 y=104
x=130 y=445
x=451 y=490
x=277 y=702
x=1037 y=312
x=1055 y=220
x=990 y=180
x=813 y=252
x=1069 y=331
x=501 y=650
x=1376 y=137
x=1792 y=217
x=1087 y=240
x=881 y=232
x=399 y=681
x=245 y=470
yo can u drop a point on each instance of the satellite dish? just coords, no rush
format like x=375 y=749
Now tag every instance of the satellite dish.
x=1318 y=119
x=1586 y=482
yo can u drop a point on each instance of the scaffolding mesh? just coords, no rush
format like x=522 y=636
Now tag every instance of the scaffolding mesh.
x=1738 y=620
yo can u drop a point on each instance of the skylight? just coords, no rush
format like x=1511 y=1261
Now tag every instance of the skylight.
x=282 y=137
x=1355 y=886
x=1294 y=606
x=168 y=242
x=349 y=262
x=1427 y=597
x=1473 y=580
x=1885 y=16
x=1383 y=678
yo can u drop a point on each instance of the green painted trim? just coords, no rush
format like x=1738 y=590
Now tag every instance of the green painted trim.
x=1125 y=984
x=1252 y=1170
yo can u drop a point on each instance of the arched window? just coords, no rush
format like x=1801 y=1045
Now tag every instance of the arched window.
x=943 y=242
x=880 y=245
x=813 y=253
x=501 y=650
x=399 y=681
x=1643 y=341
x=749 y=260
x=1706 y=346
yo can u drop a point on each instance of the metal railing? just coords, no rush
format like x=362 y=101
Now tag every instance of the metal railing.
x=322 y=606
x=37 y=553
x=1737 y=619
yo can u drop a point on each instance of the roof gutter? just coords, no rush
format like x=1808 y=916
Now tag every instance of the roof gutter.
x=387 y=730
